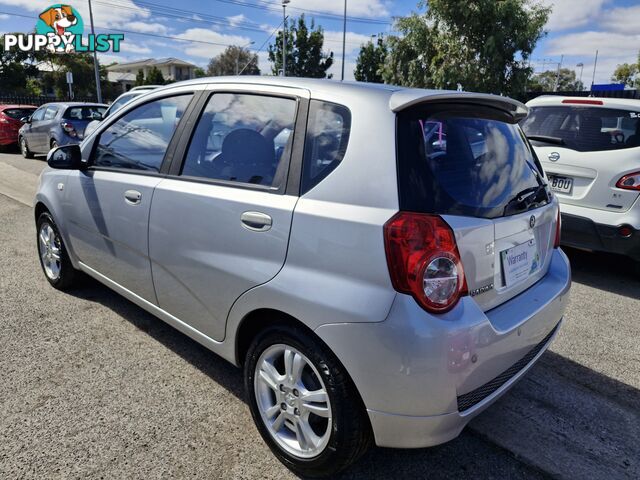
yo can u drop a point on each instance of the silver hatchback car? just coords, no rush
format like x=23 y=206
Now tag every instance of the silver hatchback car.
x=382 y=262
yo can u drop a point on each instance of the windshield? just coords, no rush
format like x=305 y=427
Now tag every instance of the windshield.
x=462 y=165
x=120 y=101
x=585 y=129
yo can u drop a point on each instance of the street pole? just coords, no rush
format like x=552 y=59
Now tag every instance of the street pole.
x=344 y=37
x=581 y=65
x=555 y=87
x=593 y=79
x=96 y=66
x=284 y=37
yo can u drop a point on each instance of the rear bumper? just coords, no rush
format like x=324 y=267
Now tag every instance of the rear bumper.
x=583 y=232
x=422 y=377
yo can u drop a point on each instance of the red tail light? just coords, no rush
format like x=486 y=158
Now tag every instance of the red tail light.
x=424 y=261
x=4 y=119
x=556 y=242
x=630 y=181
x=69 y=128
x=583 y=102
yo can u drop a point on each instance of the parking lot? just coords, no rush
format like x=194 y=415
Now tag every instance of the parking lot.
x=91 y=386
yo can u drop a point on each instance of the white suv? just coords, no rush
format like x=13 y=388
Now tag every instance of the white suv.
x=590 y=150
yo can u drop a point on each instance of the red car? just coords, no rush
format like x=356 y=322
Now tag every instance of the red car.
x=10 y=123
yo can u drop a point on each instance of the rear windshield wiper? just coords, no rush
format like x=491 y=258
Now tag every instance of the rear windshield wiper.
x=546 y=139
x=526 y=199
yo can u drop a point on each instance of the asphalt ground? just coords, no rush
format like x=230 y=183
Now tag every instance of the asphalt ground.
x=91 y=386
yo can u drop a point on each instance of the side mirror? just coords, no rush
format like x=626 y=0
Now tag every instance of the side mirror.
x=96 y=116
x=66 y=157
x=25 y=119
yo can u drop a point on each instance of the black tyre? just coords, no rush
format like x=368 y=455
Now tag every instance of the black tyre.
x=24 y=148
x=54 y=144
x=304 y=404
x=54 y=259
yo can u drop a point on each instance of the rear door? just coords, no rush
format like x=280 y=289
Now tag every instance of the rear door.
x=32 y=128
x=219 y=225
x=588 y=149
x=471 y=165
x=109 y=203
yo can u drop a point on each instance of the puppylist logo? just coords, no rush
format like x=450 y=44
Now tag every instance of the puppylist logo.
x=60 y=29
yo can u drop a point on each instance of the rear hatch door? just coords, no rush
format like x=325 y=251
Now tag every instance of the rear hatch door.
x=469 y=162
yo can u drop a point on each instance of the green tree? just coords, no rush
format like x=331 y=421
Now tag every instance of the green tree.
x=81 y=65
x=155 y=77
x=305 y=57
x=15 y=68
x=628 y=73
x=233 y=61
x=370 y=61
x=484 y=45
x=546 y=81
x=140 y=78
x=199 y=72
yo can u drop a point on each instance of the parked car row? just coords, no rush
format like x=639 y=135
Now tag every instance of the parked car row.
x=38 y=129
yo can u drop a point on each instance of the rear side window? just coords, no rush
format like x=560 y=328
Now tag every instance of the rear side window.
x=585 y=129
x=328 y=132
x=50 y=113
x=83 y=113
x=139 y=139
x=243 y=138
x=464 y=164
x=18 y=113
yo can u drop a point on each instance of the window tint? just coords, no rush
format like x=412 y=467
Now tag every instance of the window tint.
x=115 y=106
x=586 y=129
x=38 y=114
x=327 y=137
x=83 y=113
x=140 y=138
x=458 y=165
x=18 y=113
x=50 y=113
x=243 y=138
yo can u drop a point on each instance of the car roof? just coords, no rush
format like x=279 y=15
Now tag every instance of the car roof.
x=398 y=97
x=76 y=104
x=593 y=102
x=5 y=107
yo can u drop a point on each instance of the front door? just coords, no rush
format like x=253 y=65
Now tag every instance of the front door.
x=110 y=201
x=220 y=225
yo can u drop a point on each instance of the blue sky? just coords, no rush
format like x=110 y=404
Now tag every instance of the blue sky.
x=576 y=28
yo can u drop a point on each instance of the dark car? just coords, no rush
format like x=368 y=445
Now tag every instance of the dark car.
x=56 y=124
x=10 y=122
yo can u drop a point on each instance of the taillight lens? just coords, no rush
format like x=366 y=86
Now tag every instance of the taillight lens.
x=630 y=181
x=69 y=128
x=4 y=119
x=556 y=242
x=424 y=261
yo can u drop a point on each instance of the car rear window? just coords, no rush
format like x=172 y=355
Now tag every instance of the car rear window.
x=464 y=161
x=585 y=129
x=18 y=113
x=83 y=113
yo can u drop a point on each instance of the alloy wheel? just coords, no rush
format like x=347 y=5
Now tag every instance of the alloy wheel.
x=293 y=401
x=50 y=251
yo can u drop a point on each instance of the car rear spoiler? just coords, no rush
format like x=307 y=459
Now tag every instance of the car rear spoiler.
x=403 y=99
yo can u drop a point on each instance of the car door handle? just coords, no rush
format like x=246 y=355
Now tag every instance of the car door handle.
x=132 y=197
x=256 y=221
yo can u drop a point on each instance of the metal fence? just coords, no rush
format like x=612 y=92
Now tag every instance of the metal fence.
x=38 y=100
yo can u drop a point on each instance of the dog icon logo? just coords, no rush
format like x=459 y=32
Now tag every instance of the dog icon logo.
x=62 y=21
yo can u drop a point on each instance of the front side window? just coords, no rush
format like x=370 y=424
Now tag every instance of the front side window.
x=38 y=114
x=139 y=139
x=326 y=143
x=585 y=129
x=243 y=138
